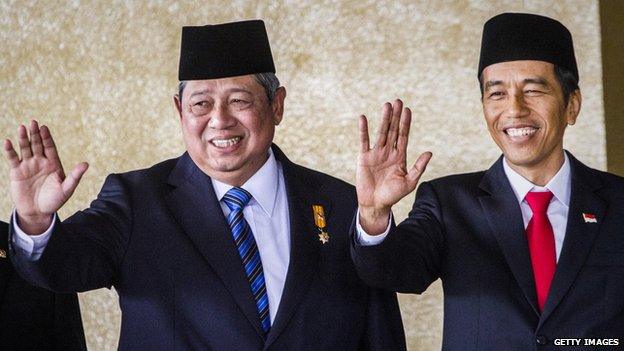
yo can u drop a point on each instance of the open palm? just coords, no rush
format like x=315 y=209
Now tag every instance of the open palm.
x=382 y=175
x=38 y=184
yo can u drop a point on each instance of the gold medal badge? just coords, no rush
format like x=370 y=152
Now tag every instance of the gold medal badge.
x=319 y=220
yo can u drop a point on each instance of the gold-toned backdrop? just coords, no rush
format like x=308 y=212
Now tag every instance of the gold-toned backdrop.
x=101 y=74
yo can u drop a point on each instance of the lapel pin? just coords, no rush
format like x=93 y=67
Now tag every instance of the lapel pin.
x=2 y=253
x=589 y=218
x=319 y=220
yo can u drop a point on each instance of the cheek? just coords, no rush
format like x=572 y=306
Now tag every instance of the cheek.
x=490 y=121
x=193 y=127
x=259 y=127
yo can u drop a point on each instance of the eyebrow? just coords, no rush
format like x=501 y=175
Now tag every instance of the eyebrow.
x=536 y=80
x=231 y=90
x=491 y=83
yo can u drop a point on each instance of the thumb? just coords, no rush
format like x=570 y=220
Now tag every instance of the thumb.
x=418 y=168
x=71 y=181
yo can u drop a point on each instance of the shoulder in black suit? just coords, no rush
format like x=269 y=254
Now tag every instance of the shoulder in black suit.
x=468 y=231
x=32 y=318
x=159 y=236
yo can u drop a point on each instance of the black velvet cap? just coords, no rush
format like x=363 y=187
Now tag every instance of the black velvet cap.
x=225 y=50
x=523 y=36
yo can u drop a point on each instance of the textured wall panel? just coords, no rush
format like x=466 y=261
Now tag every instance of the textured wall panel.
x=101 y=75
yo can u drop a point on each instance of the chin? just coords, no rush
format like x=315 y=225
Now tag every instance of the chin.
x=519 y=157
x=522 y=160
x=225 y=166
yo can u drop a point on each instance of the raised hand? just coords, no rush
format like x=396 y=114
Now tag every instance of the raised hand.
x=382 y=177
x=38 y=183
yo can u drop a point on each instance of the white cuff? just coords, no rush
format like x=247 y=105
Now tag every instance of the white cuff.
x=365 y=239
x=31 y=245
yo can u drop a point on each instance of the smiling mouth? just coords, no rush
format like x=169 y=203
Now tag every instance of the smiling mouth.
x=224 y=143
x=520 y=132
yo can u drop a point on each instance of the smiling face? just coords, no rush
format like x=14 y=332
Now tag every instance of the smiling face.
x=228 y=125
x=526 y=114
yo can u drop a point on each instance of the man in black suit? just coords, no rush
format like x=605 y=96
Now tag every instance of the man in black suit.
x=35 y=319
x=231 y=246
x=530 y=252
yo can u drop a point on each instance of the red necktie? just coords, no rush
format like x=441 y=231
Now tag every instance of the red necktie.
x=541 y=244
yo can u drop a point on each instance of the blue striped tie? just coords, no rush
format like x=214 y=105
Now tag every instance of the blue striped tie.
x=236 y=199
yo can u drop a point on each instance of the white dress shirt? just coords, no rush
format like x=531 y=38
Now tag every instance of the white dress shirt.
x=560 y=185
x=266 y=213
x=268 y=217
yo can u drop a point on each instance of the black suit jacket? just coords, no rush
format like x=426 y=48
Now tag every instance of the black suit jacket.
x=159 y=236
x=468 y=230
x=32 y=318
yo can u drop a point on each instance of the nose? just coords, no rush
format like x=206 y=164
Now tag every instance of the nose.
x=516 y=106
x=220 y=117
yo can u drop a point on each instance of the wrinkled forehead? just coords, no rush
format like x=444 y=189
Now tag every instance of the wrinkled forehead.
x=518 y=71
x=240 y=84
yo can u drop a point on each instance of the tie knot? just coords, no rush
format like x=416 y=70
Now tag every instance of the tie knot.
x=236 y=198
x=538 y=200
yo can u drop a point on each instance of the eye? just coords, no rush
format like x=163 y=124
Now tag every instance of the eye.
x=200 y=108
x=533 y=92
x=496 y=95
x=202 y=103
x=240 y=103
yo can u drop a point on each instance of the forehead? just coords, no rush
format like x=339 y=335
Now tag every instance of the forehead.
x=245 y=83
x=519 y=71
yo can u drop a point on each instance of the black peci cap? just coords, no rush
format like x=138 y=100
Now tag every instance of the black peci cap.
x=225 y=50
x=523 y=36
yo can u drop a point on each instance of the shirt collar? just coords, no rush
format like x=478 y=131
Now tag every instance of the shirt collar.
x=559 y=185
x=262 y=185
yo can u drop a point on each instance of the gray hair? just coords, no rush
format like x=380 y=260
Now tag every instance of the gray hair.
x=268 y=80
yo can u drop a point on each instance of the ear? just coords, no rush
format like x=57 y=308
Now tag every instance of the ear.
x=178 y=105
x=277 y=105
x=574 y=107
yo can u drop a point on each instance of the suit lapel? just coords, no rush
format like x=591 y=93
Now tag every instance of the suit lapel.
x=302 y=193
x=504 y=216
x=579 y=235
x=195 y=207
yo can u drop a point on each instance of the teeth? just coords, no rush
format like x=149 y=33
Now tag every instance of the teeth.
x=225 y=142
x=517 y=132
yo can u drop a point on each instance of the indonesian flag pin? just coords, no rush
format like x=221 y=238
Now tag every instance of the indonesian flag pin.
x=589 y=218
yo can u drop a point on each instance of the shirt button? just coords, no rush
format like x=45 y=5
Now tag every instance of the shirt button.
x=541 y=340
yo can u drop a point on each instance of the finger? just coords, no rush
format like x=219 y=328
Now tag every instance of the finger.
x=49 y=148
x=11 y=154
x=404 y=129
x=22 y=141
x=393 y=131
x=71 y=182
x=364 y=139
x=418 y=168
x=382 y=131
x=35 y=139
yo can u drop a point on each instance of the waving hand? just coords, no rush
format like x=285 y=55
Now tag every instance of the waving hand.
x=38 y=183
x=382 y=177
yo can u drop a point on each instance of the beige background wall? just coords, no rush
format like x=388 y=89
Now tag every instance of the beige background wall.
x=611 y=28
x=101 y=75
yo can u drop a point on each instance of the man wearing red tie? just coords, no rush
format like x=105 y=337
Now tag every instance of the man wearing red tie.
x=530 y=251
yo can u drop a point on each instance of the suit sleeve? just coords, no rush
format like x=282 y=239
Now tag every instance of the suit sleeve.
x=85 y=251
x=68 y=331
x=384 y=327
x=409 y=259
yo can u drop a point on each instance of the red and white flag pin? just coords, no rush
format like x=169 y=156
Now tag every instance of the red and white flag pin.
x=589 y=218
